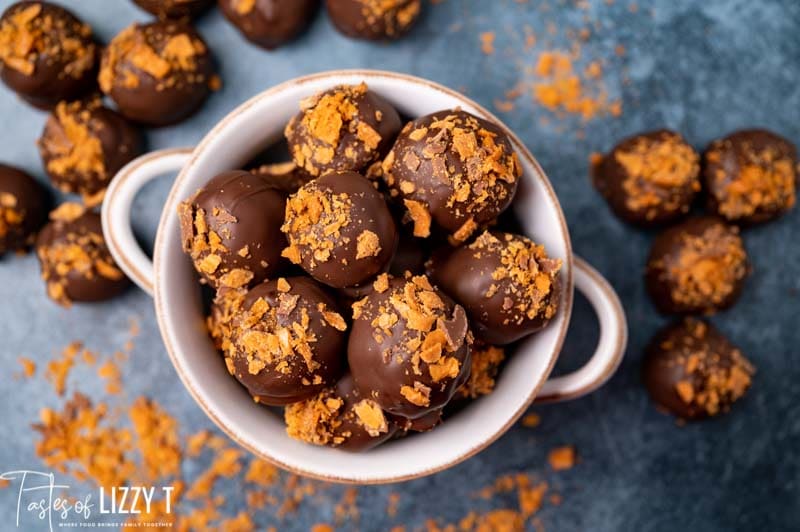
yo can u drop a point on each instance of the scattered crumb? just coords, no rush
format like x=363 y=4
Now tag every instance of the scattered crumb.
x=562 y=458
x=531 y=420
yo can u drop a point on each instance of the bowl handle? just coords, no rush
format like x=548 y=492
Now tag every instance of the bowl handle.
x=116 y=210
x=610 y=347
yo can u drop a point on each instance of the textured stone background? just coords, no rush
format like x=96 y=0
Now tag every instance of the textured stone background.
x=701 y=67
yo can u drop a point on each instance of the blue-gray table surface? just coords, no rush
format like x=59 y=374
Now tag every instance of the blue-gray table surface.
x=703 y=68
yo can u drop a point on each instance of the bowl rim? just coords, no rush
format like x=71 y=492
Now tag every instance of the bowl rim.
x=522 y=150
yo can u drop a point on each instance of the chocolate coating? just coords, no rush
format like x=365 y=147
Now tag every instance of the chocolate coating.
x=508 y=285
x=346 y=128
x=374 y=20
x=164 y=9
x=698 y=266
x=340 y=417
x=47 y=53
x=409 y=348
x=693 y=371
x=84 y=145
x=270 y=23
x=76 y=264
x=288 y=342
x=454 y=169
x=23 y=209
x=232 y=230
x=286 y=177
x=157 y=73
x=751 y=176
x=339 y=229
x=650 y=178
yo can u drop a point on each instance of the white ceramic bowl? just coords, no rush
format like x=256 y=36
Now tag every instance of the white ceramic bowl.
x=172 y=281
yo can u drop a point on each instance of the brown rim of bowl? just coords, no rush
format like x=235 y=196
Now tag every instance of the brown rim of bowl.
x=522 y=149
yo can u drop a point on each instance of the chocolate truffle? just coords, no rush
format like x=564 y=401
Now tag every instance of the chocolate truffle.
x=508 y=285
x=232 y=230
x=374 y=20
x=339 y=229
x=287 y=343
x=698 y=266
x=286 y=177
x=693 y=371
x=47 y=53
x=453 y=168
x=157 y=73
x=164 y=9
x=340 y=417
x=751 y=176
x=84 y=145
x=348 y=127
x=486 y=361
x=76 y=264
x=269 y=23
x=409 y=347
x=23 y=209
x=649 y=179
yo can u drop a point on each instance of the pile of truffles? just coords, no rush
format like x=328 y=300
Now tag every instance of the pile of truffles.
x=697 y=264
x=367 y=284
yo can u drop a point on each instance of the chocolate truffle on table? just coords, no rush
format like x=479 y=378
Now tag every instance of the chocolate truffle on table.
x=698 y=266
x=454 y=169
x=286 y=177
x=269 y=23
x=47 y=53
x=340 y=417
x=751 y=176
x=287 y=342
x=76 y=264
x=164 y=9
x=374 y=20
x=23 y=209
x=339 y=229
x=84 y=145
x=157 y=73
x=649 y=179
x=232 y=229
x=693 y=371
x=409 y=348
x=346 y=128
x=508 y=285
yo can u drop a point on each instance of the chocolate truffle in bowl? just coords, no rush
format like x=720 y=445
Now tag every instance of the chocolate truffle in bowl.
x=157 y=73
x=23 y=209
x=454 y=169
x=47 y=53
x=649 y=179
x=76 y=264
x=508 y=285
x=84 y=144
x=165 y=9
x=698 y=266
x=340 y=417
x=374 y=20
x=693 y=371
x=486 y=362
x=269 y=23
x=346 y=128
x=751 y=176
x=409 y=348
x=231 y=228
x=340 y=229
x=287 y=343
